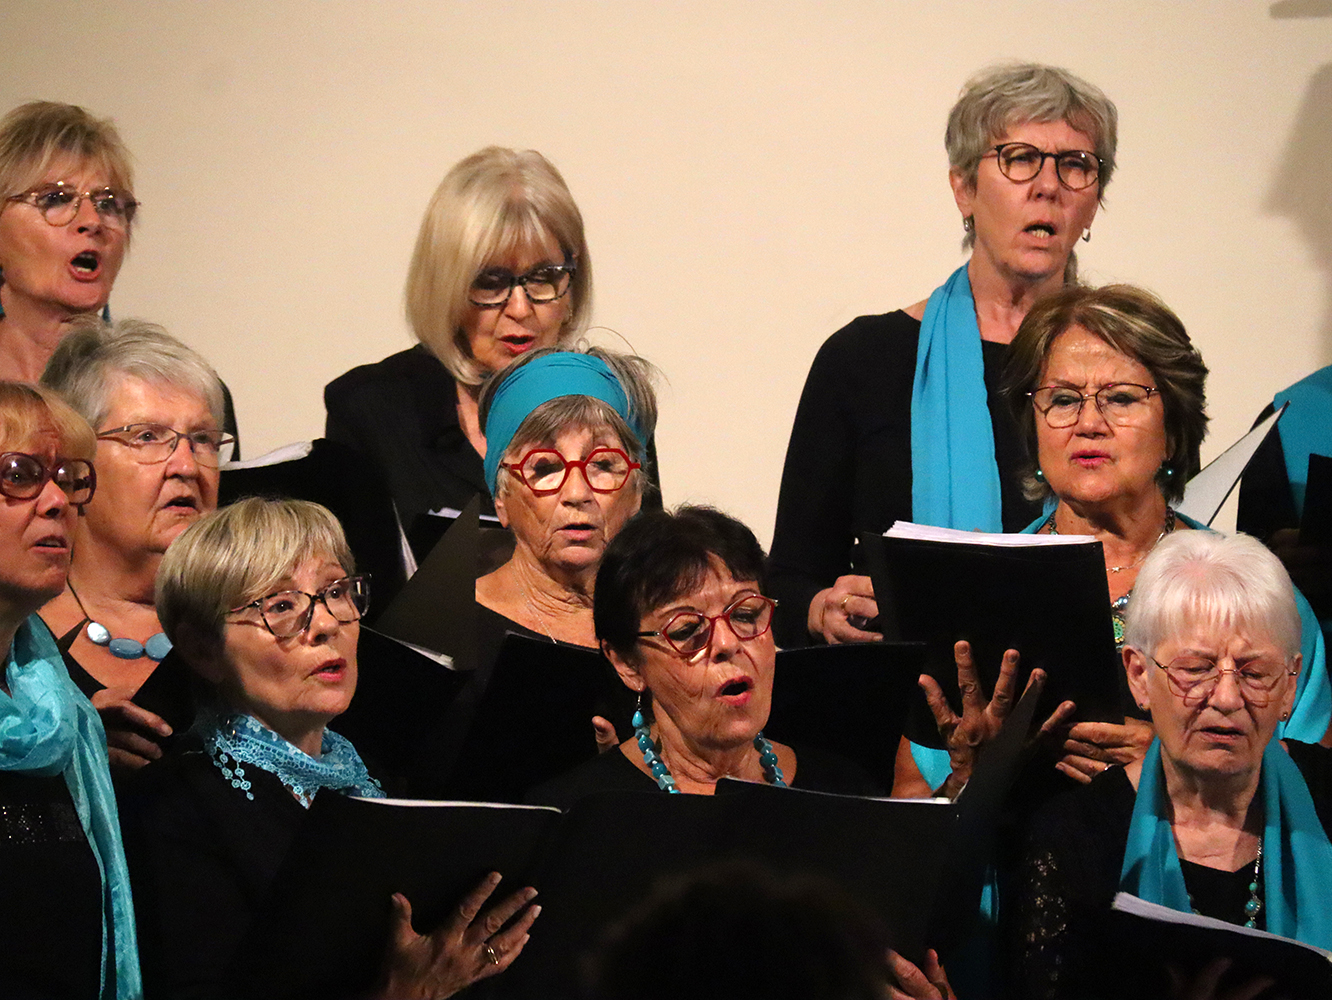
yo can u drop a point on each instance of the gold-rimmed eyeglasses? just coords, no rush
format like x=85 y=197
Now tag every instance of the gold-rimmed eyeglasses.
x=59 y=204
x=150 y=444
x=1194 y=678
x=1120 y=403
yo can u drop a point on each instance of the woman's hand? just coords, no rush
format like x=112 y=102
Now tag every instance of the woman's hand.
x=913 y=983
x=603 y=731
x=1093 y=747
x=125 y=724
x=467 y=948
x=841 y=612
x=980 y=720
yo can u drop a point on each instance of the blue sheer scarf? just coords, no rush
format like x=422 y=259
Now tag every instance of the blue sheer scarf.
x=47 y=727
x=1297 y=858
x=551 y=376
x=236 y=739
x=954 y=475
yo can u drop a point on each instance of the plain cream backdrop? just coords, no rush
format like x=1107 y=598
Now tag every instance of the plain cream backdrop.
x=752 y=176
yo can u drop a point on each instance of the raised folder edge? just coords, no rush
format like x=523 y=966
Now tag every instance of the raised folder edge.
x=957 y=536
x=1126 y=902
x=449 y=803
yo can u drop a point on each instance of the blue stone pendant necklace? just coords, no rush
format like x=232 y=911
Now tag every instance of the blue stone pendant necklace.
x=98 y=634
x=662 y=775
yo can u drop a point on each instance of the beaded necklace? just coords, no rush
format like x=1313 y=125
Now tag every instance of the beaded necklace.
x=1255 y=904
x=767 y=757
x=156 y=648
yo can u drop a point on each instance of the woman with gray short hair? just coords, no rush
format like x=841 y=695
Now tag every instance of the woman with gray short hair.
x=900 y=417
x=157 y=407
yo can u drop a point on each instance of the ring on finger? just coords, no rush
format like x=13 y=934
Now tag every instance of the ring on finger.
x=843 y=604
x=492 y=956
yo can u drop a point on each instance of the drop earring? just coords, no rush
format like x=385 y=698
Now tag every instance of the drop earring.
x=968 y=224
x=1086 y=235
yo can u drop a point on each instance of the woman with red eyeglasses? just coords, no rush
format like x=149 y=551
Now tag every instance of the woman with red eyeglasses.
x=67 y=920
x=565 y=439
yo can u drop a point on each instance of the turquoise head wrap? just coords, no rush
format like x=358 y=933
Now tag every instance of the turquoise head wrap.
x=551 y=376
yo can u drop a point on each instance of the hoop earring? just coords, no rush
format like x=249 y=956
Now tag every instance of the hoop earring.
x=1086 y=235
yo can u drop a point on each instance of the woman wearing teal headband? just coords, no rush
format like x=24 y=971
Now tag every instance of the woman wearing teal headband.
x=566 y=433
x=1220 y=817
x=900 y=417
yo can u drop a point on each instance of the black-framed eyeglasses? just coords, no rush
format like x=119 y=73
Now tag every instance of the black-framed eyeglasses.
x=1120 y=403
x=544 y=470
x=59 y=204
x=24 y=476
x=1020 y=162
x=690 y=632
x=544 y=283
x=1194 y=678
x=150 y=444
x=288 y=613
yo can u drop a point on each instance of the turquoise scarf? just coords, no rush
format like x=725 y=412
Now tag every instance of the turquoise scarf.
x=48 y=727
x=550 y=376
x=954 y=475
x=1305 y=428
x=236 y=739
x=1297 y=858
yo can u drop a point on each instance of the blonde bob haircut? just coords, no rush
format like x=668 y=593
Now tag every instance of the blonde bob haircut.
x=1197 y=577
x=89 y=361
x=635 y=375
x=37 y=136
x=236 y=555
x=28 y=411
x=1138 y=325
x=492 y=203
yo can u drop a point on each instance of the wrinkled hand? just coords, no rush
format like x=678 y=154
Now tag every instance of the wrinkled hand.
x=914 y=983
x=980 y=720
x=1205 y=984
x=603 y=731
x=130 y=729
x=840 y=613
x=467 y=948
x=1093 y=747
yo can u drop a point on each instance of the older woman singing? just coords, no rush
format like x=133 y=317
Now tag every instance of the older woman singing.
x=1220 y=817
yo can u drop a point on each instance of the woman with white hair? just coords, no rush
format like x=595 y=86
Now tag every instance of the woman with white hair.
x=157 y=408
x=1220 y=818
x=501 y=267
x=901 y=417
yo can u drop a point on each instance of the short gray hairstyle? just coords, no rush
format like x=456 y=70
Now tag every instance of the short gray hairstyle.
x=84 y=366
x=1232 y=581
x=236 y=555
x=1000 y=97
x=635 y=375
x=492 y=202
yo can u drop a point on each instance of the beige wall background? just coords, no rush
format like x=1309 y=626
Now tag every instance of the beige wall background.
x=752 y=176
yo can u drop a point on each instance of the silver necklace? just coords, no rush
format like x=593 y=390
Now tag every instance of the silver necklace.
x=540 y=618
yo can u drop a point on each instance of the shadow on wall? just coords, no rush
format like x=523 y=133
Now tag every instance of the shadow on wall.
x=1301 y=8
x=1300 y=188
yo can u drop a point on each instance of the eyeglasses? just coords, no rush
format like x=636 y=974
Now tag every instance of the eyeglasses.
x=1194 y=678
x=23 y=477
x=689 y=632
x=1120 y=403
x=153 y=443
x=289 y=612
x=544 y=283
x=59 y=204
x=1020 y=162
x=544 y=471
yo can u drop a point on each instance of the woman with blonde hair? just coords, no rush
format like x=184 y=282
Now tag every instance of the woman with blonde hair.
x=501 y=267
x=66 y=210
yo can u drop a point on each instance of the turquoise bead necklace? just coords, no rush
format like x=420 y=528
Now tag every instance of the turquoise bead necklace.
x=1255 y=904
x=657 y=767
